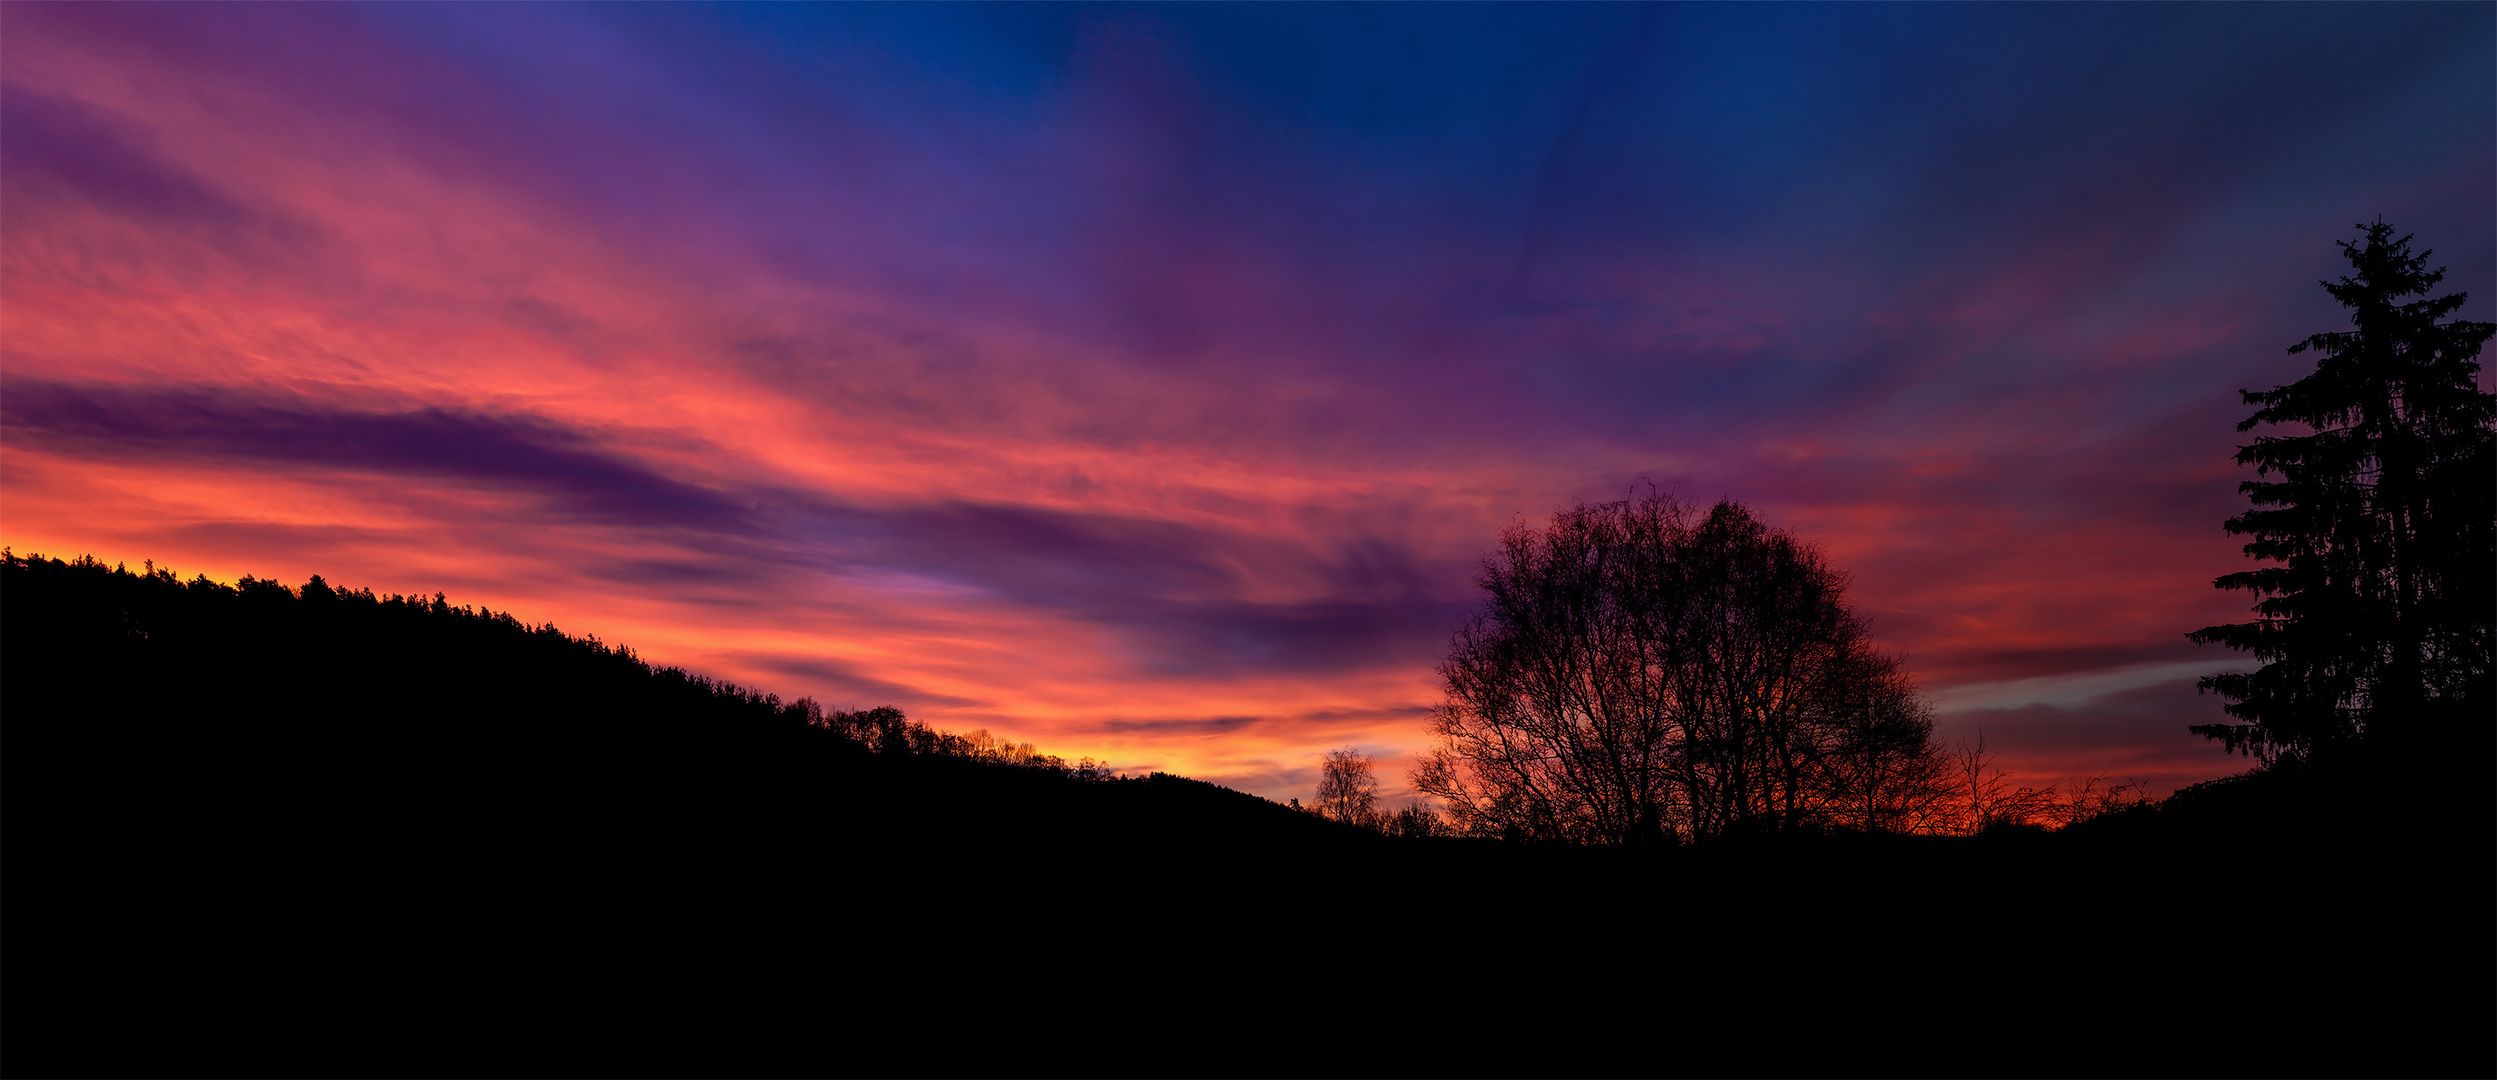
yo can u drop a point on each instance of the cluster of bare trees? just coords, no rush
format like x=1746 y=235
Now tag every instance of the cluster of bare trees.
x=1979 y=797
x=886 y=730
x=1967 y=796
x=1644 y=672
x=1348 y=792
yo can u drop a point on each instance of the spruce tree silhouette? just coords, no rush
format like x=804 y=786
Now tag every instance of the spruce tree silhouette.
x=2375 y=622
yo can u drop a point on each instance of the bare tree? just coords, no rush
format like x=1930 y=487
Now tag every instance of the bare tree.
x=1884 y=771
x=1989 y=798
x=2095 y=798
x=1556 y=723
x=1417 y=821
x=1347 y=791
x=1641 y=671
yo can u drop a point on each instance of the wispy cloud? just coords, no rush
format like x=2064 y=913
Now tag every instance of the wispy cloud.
x=1146 y=382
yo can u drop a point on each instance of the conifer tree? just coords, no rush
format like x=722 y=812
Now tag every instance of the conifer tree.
x=2374 y=621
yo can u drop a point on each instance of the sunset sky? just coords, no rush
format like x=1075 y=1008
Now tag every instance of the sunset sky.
x=1146 y=382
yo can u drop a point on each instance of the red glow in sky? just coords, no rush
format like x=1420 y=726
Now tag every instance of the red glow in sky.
x=1145 y=382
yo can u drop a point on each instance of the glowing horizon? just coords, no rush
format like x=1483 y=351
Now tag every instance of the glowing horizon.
x=1143 y=382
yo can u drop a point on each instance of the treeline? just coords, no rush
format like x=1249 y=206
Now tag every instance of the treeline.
x=886 y=730
x=262 y=830
x=260 y=649
x=254 y=829
x=300 y=730
x=148 y=661
x=240 y=663
x=1934 y=792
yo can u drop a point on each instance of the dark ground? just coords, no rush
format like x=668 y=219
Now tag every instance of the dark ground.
x=252 y=833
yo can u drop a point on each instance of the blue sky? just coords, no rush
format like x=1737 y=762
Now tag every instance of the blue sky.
x=1144 y=380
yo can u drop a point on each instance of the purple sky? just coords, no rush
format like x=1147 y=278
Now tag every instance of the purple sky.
x=1145 y=381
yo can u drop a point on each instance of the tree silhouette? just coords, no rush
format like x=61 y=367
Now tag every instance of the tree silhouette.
x=1641 y=672
x=1989 y=799
x=2379 y=518
x=280 y=828
x=1347 y=791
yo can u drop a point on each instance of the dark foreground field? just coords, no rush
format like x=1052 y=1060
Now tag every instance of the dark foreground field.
x=274 y=832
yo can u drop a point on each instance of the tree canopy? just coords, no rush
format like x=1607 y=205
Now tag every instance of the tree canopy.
x=2376 y=509
x=1347 y=791
x=1643 y=672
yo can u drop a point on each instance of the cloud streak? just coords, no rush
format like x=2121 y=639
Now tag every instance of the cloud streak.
x=1146 y=382
x=509 y=451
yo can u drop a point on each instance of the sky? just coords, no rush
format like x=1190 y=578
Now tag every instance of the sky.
x=1147 y=382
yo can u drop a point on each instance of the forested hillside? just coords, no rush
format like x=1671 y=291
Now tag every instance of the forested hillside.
x=431 y=717
x=292 y=831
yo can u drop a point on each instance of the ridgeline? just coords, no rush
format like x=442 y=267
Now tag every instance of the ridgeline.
x=263 y=830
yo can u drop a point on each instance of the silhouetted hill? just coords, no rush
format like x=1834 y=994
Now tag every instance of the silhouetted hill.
x=255 y=830
x=438 y=719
